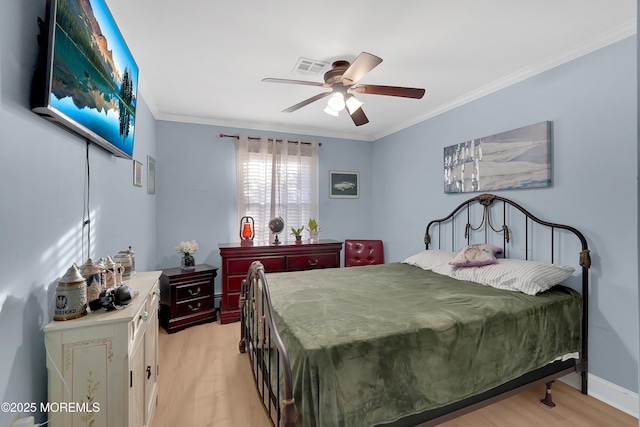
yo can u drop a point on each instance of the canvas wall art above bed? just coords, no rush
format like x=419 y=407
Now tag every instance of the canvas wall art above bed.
x=519 y=158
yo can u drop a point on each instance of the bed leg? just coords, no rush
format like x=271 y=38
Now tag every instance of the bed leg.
x=288 y=413
x=547 y=396
x=241 y=346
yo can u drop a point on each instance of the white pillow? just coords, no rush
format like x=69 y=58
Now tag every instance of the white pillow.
x=529 y=277
x=435 y=260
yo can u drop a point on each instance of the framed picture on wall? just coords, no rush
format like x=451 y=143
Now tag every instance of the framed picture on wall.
x=515 y=159
x=151 y=175
x=137 y=173
x=344 y=185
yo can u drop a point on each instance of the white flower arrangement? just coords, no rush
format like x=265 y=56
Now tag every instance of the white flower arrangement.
x=187 y=248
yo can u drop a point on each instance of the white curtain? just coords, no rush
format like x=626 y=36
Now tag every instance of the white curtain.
x=276 y=178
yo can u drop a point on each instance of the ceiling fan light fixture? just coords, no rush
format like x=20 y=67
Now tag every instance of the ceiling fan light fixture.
x=353 y=104
x=329 y=111
x=336 y=102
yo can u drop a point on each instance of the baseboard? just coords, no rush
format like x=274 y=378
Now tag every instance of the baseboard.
x=607 y=392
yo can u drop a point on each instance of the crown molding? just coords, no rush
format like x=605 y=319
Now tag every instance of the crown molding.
x=614 y=35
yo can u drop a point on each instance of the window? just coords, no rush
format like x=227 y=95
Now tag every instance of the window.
x=276 y=177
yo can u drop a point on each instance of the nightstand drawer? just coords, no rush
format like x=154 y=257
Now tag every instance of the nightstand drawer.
x=193 y=290
x=311 y=261
x=271 y=264
x=194 y=306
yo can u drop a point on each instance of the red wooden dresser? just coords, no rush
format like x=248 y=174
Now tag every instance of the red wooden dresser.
x=286 y=256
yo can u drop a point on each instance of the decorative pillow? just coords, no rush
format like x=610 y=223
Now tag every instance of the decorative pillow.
x=435 y=260
x=529 y=277
x=476 y=255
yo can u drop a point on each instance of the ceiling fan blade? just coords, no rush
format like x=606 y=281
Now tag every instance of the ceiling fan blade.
x=364 y=63
x=405 y=92
x=295 y=82
x=306 y=102
x=359 y=118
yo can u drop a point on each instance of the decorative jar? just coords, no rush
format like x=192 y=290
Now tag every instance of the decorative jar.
x=188 y=262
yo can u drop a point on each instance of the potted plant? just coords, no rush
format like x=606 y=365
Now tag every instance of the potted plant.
x=314 y=229
x=298 y=233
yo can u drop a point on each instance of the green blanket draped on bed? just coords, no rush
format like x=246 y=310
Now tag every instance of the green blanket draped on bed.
x=373 y=344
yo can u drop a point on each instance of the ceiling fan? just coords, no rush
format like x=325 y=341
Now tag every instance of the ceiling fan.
x=342 y=78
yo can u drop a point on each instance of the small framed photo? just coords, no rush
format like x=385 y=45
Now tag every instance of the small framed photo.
x=344 y=185
x=151 y=175
x=137 y=173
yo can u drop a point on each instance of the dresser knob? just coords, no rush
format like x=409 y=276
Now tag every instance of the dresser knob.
x=313 y=263
x=194 y=293
x=157 y=292
x=145 y=315
x=194 y=308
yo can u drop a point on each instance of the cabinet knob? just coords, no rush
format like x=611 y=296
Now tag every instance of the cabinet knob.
x=145 y=315
x=148 y=371
x=157 y=292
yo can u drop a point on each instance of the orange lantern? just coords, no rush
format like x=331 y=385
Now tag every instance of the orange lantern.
x=246 y=230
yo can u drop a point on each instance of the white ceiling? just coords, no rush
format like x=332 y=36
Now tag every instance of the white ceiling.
x=202 y=61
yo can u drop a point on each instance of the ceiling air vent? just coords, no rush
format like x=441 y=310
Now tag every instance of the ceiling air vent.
x=310 y=67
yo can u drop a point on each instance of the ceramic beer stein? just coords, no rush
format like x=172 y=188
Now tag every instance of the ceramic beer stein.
x=109 y=273
x=125 y=260
x=92 y=273
x=71 y=295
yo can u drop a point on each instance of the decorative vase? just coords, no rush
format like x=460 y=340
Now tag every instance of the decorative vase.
x=188 y=262
x=298 y=240
x=313 y=237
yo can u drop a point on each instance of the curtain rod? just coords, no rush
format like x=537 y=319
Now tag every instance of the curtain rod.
x=222 y=135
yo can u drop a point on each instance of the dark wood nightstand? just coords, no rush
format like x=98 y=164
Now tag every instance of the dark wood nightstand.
x=186 y=297
x=287 y=256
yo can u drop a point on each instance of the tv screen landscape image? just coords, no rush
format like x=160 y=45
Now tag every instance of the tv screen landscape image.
x=88 y=82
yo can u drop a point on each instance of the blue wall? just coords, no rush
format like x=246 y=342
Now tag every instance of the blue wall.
x=592 y=102
x=42 y=171
x=196 y=189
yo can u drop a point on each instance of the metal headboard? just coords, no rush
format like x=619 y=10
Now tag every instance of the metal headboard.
x=487 y=225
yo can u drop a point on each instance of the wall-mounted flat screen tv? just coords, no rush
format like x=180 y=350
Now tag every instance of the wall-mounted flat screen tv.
x=88 y=81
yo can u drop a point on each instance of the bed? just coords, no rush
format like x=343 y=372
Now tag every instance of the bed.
x=422 y=341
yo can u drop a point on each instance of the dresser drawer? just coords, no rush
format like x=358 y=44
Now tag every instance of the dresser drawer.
x=193 y=290
x=311 y=261
x=194 y=306
x=286 y=256
x=241 y=265
x=232 y=301
x=234 y=283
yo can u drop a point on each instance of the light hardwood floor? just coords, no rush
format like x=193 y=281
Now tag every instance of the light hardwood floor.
x=205 y=382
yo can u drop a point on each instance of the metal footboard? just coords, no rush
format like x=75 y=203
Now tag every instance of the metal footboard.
x=267 y=354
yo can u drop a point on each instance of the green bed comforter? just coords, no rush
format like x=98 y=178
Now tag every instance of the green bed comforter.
x=373 y=344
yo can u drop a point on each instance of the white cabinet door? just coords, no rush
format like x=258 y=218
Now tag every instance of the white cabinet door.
x=137 y=405
x=151 y=366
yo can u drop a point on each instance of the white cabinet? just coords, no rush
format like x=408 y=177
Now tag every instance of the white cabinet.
x=103 y=367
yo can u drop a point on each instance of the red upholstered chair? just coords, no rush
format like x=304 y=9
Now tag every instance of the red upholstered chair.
x=363 y=252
